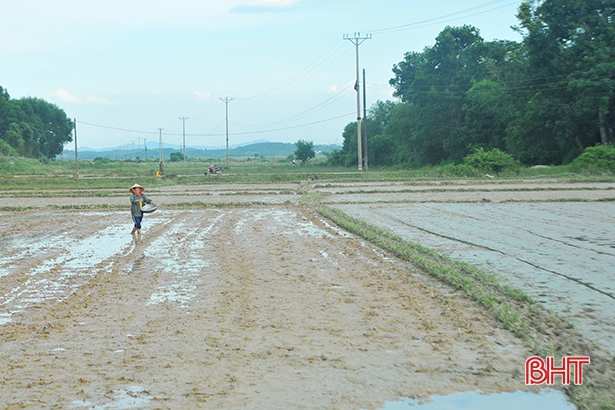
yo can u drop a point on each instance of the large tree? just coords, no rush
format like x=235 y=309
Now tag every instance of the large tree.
x=434 y=84
x=33 y=127
x=543 y=100
x=571 y=77
x=305 y=150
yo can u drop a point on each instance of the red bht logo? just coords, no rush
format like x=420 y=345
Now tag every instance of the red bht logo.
x=538 y=371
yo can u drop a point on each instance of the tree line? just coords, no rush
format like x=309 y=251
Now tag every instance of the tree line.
x=32 y=127
x=542 y=100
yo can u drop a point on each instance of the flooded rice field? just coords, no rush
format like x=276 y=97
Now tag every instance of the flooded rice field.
x=275 y=307
x=561 y=253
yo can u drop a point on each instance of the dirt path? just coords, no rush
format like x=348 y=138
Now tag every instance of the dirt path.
x=232 y=308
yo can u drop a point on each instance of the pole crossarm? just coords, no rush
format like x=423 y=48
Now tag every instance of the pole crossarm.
x=357 y=39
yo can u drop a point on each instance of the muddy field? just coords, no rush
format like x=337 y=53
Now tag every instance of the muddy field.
x=266 y=306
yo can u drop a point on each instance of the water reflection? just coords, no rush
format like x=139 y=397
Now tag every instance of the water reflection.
x=548 y=399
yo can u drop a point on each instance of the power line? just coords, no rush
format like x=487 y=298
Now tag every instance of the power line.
x=294 y=126
x=435 y=20
x=307 y=112
x=232 y=133
x=280 y=89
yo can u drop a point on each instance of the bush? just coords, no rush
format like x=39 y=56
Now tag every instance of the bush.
x=176 y=157
x=597 y=158
x=494 y=160
x=335 y=158
x=460 y=170
x=6 y=149
x=101 y=160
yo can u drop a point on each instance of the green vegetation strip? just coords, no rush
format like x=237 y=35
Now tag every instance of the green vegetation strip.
x=440 y=190
x=468 y=201
x=544 y=332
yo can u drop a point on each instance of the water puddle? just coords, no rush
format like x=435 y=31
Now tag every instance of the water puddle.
x=66 y=264
x=132 y=397
x=185 y=274
x=547 y=399
x=286 y=222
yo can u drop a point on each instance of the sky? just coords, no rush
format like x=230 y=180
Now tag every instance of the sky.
x=124 y=69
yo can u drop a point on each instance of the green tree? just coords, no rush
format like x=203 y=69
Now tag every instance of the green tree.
x=305 y=150
x=570 y=47
x=52 y=128
x=14 y=138
x=434 y=83
x=380 y=146
x=176 y=157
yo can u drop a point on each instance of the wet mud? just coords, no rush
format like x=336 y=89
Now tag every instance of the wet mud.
x=239 y=307
x=228 y=309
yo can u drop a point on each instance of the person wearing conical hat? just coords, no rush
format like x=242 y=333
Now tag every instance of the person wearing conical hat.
x=137 y=198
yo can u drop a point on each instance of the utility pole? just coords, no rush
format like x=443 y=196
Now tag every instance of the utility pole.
x=226 y=101
x=161 y=154
x=357 y=40
x=76 y=153
x=184 y=134
x=145 y=144
x=365 y=121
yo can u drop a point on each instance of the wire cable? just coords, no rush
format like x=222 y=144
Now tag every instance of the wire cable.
x=435 y=20
x=275 y=91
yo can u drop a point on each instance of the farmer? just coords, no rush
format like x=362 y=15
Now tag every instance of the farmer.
x=136 y=199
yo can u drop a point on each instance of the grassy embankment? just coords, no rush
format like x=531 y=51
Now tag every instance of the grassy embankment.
x=23 y=173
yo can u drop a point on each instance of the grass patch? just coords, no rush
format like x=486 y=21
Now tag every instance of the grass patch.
x=23 y=173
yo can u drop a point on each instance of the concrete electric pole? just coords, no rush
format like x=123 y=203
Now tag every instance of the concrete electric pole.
x=76 y=152
x=364 y=123
x=226 y=100
x=184 y=134
x=161 y=154
x=357 y=40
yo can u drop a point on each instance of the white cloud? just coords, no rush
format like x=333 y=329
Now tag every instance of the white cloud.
x=202 y=95
x=95 y=99
x=64 y=96
x=257 y=6
x=335 y=89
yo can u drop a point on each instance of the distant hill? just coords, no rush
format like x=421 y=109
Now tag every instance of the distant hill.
x=259 y=149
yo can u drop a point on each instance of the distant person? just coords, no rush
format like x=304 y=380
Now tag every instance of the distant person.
x=211 y=168
x=137 y=198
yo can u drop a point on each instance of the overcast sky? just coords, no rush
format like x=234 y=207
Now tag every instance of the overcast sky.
x=125 y=68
